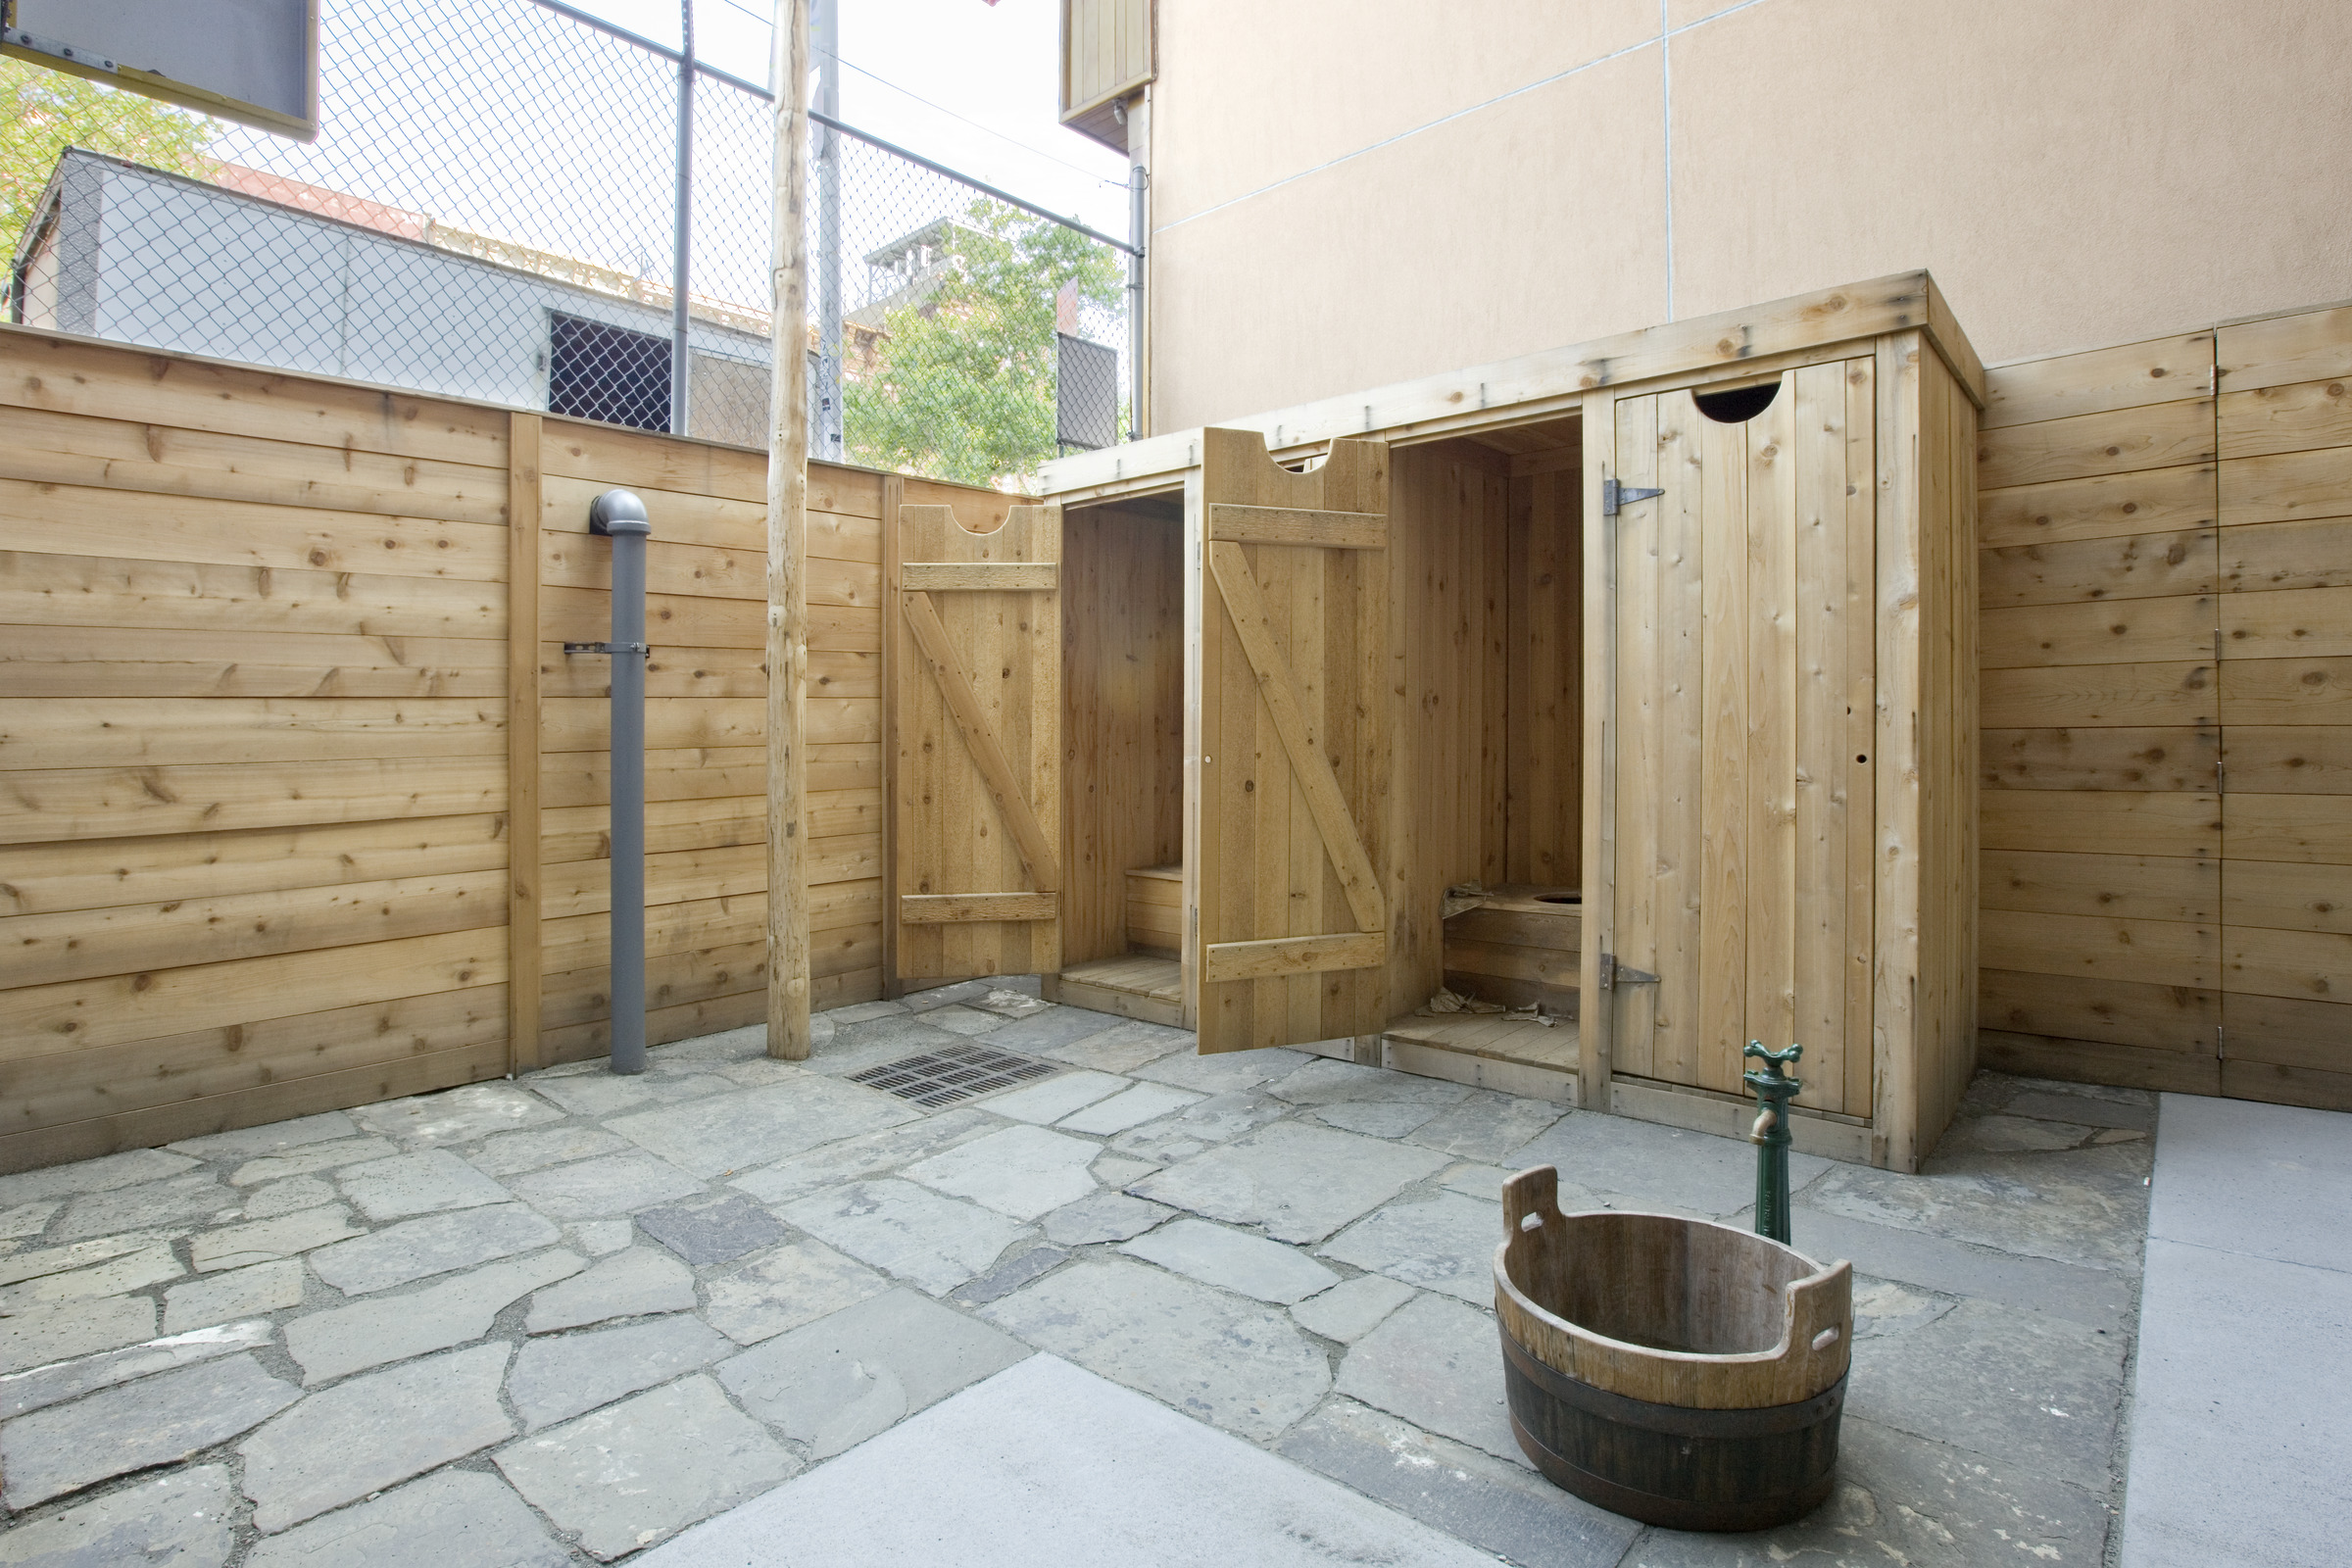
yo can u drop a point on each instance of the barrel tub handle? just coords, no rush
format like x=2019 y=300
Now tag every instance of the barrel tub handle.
x=1531 y=1223
x=1820 y=1307
x=1826 y=1337
x=1533 y=1193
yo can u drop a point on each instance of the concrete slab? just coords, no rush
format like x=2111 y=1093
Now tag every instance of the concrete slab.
x=1233 y=1260
x=758 y=1126
x=1300 y=1183
x=632 y=1473
x=419 y=1249
x=933 y=1242
x=134 y=1425
x=1021 y=1171
x=1231 y=1362
x=2084 y=1206
x=457 y=1519
x=2265 y=1180
x=179 y=1520
x=1439 y=1365
x=1045 y=1466
x=1131 y=1108
x=373 y=1432
x=792 y=1283
x=1469 y=1494
x=1056 y=1097
x=832 y=1384
x=556 y=1378
x=1442 y=1243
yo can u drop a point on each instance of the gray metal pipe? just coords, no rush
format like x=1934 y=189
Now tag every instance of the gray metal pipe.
x=621 y=517
x=682 y=265
x=1136 y=176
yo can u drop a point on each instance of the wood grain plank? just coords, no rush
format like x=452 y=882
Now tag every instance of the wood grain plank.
x=2282 y=897
x=2128 y=886
x=2287 y=691
x=2123 y=441
x=2312 y=828
x=2265 y=557
x=83 y=661
x=2106 y=632
x=2077 y=695
x=2289 y=758
x=2286 y=487
x=50 y=805
x=2281 y=348
x=99 y=591
x=2103 y=948
x=2289 y=623
x=2177 y=757
x=2129 y=375
x=2295 y=418
x=2106 y=822
x=2101 y=507
x=2162 y=1017
x=2149 y=565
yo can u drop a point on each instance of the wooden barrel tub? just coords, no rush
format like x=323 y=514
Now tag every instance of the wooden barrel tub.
x=1679 y=1372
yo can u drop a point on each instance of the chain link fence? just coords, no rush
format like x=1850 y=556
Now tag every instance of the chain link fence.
x=493 y=209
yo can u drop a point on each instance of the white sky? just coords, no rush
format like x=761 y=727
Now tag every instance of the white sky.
x=997 y=66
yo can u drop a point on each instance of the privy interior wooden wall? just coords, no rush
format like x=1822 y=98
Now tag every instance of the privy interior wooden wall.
x=1122 y=599
x=260 y=707
x=1487 y=598
x=2167 y=579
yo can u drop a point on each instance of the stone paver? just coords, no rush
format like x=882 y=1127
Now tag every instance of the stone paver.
x=1021 y=1171
x=635 y=1282
x=758 y=1126
x=1102 y=1218
x=593 y=1188
x=288 y=1197
x=238 y=1293
x=1439 y=1365
x=1367 y=1100
x=176 y=1520
x=379 y=1329
x=936 y=1243
x=599 y=1237
x=430 y=1181
x=1218 y=1119
x=133 y=1426
x=1300 y=1182
x=2083 y=1206
x=1056 y=1097
x=458 y=1115
x=56 y=1330
x=282 y=1236
x=832 y=1384
x=458 y=1519
x=878 y=1154
x=45 y=1385
x=1041 y=1034
x=1486 y=1126
x=717 y=1229
x=1670 y=1168
x=784 y=1287
x=1123 y=1047
x=1132 y=1108
x=1469 y=1494
x=960 y=1019
x=1352 y=1309
x=149 y=1265
x=557 y=1378
x=28 y=1219
x=1233 y=1260
x=252 y=1142
x=625 y=1476
x=1445 y=1243
x=1235 y=1364
x=512 y=1154
x=130 y=1168
x=175 y=1199
x=1225 y=1072
x=1009 y=1275
x=372 y=1432
x=33 y=1262
x=418 y=1248
x=310 y=1159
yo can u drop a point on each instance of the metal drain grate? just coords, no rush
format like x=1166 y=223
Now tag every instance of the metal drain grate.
x=943 y=1077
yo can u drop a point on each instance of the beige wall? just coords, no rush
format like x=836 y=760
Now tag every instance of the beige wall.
x=1351 y=192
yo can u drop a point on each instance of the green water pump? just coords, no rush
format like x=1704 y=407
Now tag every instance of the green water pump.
x=1774 y=1090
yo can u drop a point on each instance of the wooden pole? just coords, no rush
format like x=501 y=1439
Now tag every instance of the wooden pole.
x=787 y=539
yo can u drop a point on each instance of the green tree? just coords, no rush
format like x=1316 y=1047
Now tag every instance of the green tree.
x=961 y=385
x=43 y=112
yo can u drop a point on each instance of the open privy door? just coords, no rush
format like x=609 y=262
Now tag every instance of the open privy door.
x=1292 y=696
x=976 y=717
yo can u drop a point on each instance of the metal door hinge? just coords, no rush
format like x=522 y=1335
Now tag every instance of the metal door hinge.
x=640 y=650
x=1614 y=974
x=1615 y=496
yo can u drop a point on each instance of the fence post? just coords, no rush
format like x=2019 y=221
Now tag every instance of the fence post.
x=682 y=227
x=788 y=989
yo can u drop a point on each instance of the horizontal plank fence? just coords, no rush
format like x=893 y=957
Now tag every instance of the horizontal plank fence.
x=290 y=751
x=2167 y=591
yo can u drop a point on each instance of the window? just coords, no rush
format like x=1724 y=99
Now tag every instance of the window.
x=608 y=373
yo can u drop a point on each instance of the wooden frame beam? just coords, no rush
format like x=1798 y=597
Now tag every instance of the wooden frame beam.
x=787 y=999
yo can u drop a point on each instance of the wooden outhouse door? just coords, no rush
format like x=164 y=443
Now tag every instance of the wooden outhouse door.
x=976 y=721
x=1742 y=722
x=1293 y=683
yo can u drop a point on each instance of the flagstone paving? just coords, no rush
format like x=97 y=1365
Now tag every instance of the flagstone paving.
x=557 y=1320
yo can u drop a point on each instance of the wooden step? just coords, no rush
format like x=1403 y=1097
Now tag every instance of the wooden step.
x=1519 y=948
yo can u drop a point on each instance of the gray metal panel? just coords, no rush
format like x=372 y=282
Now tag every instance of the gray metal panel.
x=255 y=51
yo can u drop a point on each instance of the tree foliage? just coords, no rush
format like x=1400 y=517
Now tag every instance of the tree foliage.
x=45 y=112
x=962 y=386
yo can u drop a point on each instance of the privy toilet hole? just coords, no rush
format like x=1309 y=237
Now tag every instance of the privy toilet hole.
x=1739 y=403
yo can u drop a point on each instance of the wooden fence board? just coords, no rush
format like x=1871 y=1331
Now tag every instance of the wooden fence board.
x=2073 y=695
x=2296 y=417
x=2107 y=822
x=2099 y=948
x=2128 y=886
x=2289 y=759
x=2132 y=630
x=2268 y=556
x=2147 y=565
x=2160 y=1016
x=2313 y=828
x=2299 y=347
x=2286 y=487
x=113 y=661
x=2097 y=381
x=46 y=805
x=45 y=733
x=2102 y=758
x=2103 y=507
x=38 y=589
x=2124 y=441
x=2287 y=691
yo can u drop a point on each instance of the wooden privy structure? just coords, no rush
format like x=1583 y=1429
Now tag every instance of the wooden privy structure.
x=1666 y=642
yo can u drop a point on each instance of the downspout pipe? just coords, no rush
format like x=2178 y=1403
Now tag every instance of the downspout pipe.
x=620 y=516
